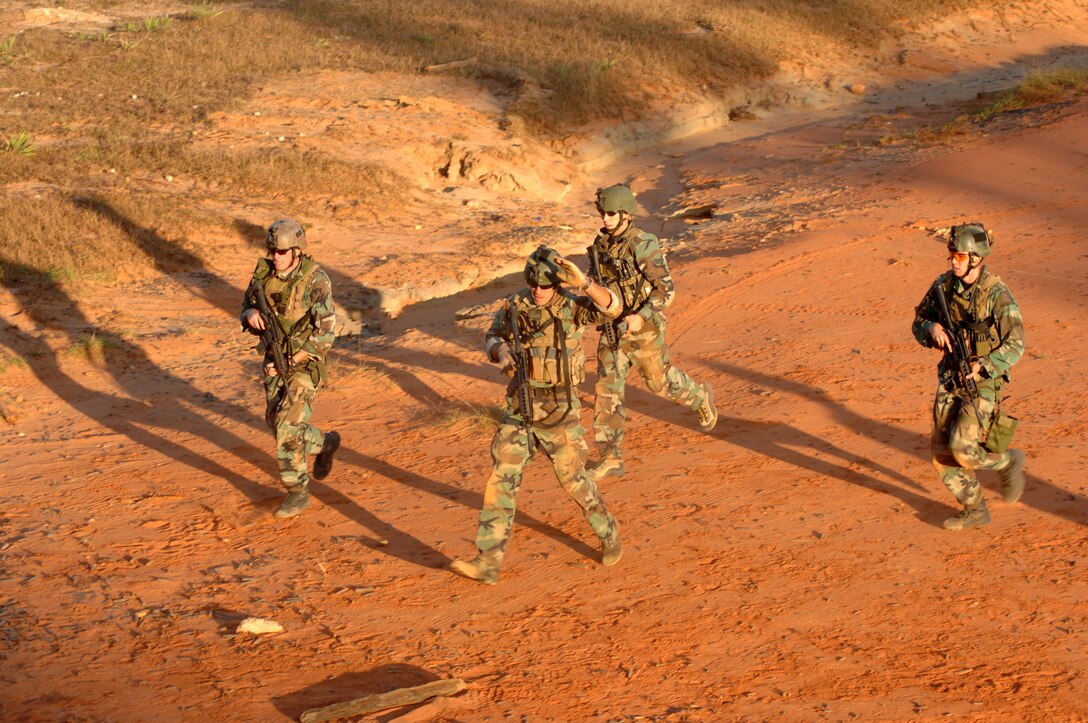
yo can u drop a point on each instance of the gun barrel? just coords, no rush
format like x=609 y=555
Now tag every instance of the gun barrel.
x=521 y=375
x=959 y=349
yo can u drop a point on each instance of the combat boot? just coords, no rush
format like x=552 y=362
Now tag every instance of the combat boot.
x=608 y=466
x=323 y=461
x=708 y=413
x=975 y=516
x=611 y=550
x=294 y=503
x=1012 y=477
x=483 y=568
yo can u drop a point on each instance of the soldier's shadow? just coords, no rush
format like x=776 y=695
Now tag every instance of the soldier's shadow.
x=1040 y=493
x=782 y=441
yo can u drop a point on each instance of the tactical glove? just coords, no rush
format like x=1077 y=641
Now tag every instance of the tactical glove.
x=569 y=273
x=506 y=361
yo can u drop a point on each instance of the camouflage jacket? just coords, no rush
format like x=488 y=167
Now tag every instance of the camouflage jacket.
x=302 y=303
x=985 y=312
x=633 y=265
x=551 y=335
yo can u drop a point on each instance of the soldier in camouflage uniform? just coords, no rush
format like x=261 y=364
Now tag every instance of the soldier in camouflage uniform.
x=550 y=321
x=984 y=311
x=299 y=296
x=632 y=264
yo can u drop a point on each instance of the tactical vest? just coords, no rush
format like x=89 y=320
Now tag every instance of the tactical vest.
x=620 y=270
x=287 y=299
x=555 y=354
x=970 y=313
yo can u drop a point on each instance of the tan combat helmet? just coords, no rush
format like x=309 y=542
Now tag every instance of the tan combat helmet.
x=541 y=269
x=970 y=238
x=285 y=234
x=616 y=198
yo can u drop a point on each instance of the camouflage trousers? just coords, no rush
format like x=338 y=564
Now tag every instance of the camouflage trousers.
x=564 y=444
x=296 y=438
x=647 y=352
x=956 y=441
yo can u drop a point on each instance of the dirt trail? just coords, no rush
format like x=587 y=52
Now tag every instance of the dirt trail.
x=790 y=565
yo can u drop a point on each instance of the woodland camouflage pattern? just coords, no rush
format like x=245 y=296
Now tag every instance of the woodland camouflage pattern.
x=960 y=427
x=304 y=309
x=552 y=336
x=633 y=265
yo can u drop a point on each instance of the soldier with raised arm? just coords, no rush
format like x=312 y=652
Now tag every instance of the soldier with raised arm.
x=631 y=263
x=970 y=315
x=536 y=339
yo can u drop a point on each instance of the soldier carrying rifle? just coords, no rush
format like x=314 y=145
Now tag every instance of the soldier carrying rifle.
x=970 y=315
x=536 y=339
x=289 y=304
x=630 y=262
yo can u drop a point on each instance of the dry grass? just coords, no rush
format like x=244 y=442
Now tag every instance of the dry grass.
x=11 y=361
x=1039 y=88
x=93 y=348
x=97 y=108
x=470 y=417
x=50 y=236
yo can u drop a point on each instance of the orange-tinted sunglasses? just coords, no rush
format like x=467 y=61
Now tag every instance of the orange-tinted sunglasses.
x=958 y=256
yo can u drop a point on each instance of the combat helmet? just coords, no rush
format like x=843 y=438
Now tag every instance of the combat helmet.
x=970 y=238
x=540 y=267
x=285 y=234
x=616 y=198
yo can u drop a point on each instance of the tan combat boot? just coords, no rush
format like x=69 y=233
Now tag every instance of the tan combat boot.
x=974 y=516
x=1012 y=477
x=483 y=568
x=708 y=413
x=294 y=503
x=609 y=466
x=611 y=550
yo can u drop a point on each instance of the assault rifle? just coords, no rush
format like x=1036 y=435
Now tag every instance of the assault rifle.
x=272 y=336
x=521 y=378
x=961 y=360
x=612 y=330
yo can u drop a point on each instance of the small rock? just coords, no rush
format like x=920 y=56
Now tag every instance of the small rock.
x=259 y=626
x=856 y=88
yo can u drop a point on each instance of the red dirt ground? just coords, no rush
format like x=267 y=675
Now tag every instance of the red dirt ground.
x=789 y=565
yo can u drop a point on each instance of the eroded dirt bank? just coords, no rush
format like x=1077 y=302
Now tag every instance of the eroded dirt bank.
x=789 y=565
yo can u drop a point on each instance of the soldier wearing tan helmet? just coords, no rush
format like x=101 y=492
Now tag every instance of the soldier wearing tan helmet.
x=536 y=339
x=298 y=297
x=632 y=264
x=970 y=429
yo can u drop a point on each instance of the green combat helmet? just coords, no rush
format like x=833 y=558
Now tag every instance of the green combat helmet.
x=285 y=234
x=616 y=198
x=970 y=238
x=540 y=267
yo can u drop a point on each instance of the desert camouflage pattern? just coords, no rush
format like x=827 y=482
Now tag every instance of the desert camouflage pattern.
x=303 y=305
x=296 y=438
x=557 y=432
x=633 y=265
x=987 y=302
x=959 y=426
x=956 y=441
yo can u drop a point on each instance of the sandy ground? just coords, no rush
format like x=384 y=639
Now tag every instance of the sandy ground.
x=789 y=565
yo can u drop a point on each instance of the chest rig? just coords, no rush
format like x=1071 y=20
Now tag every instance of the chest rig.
x=288 y=300
x=554 y=351
x=969 y=312
x=620 y=270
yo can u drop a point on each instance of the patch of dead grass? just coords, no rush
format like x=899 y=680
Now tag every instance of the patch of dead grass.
x=100 y=238
x=1041 y=87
